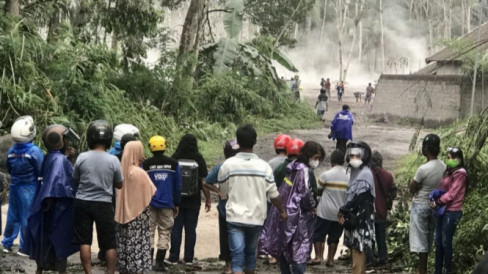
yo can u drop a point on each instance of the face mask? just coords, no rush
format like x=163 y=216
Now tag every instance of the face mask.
x=314 y=164
x=451 y=163
x=356 y=163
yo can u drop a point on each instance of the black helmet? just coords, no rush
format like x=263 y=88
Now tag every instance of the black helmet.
x=99 y=132
x=432 y=143
x=361 y=148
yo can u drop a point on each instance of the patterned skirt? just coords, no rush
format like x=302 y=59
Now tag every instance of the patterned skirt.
x=134 y=244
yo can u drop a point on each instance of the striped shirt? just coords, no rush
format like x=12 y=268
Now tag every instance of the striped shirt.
x=247 y=180
x=335 y=183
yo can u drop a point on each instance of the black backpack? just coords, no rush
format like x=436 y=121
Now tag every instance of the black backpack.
x=190 y=178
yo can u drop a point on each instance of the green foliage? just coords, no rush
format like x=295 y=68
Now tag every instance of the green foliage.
x=470 y=136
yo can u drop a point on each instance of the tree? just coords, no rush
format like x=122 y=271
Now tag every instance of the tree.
x=12 y=7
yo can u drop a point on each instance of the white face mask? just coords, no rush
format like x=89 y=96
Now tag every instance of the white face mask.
x=356 y=163
x=313 y=164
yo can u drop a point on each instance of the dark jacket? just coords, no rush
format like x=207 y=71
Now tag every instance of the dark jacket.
x=165 y=173
x=382 y=178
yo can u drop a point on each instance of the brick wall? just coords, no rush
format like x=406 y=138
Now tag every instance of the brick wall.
x=434 y=98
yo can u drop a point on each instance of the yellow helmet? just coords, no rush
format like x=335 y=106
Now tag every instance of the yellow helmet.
x=157 y=143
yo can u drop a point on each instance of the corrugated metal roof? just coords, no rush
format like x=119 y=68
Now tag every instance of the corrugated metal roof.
x=476 y=39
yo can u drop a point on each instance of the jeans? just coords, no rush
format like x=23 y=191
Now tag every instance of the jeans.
x=444 y=233
x=224 y=240
x=243 y=242
x=287 y=268
x=188 y=218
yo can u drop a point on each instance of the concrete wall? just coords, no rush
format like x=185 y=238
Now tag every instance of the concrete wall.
x=434 y=98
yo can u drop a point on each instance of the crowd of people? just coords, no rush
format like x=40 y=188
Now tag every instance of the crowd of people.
x=277 y=209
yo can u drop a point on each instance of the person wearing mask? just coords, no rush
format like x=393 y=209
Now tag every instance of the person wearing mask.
x=422 y=221
x=119 y=131
x=231 y=148
x=357 y=214
x=132 y=212
x=333 y=183
x=247 y=181
x=291 y=241
x=96 y=173
x=453 y=187
x=341 y=128
x=386 y=191
x=48 y=237
x=24 y=160
x=280 y=143
x=165 y=173
x=190 y=205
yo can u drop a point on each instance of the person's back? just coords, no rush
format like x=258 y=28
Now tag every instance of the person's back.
x=166 y=175
x=334 y=182
x=429 y=175
x=276 y=161
x=96 y=171
x=24 y=163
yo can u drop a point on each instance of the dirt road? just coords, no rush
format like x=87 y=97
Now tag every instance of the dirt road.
x=392 y=140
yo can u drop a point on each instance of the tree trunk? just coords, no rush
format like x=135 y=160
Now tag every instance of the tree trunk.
x=473 y=91
x=341 y=10
x=323 y=21
x=192 y=26
x=115 y=35
x=54 y=22
x=357 y=20
x=12 y=7
x=468 y=18
x=360 y=42
x=382 y=38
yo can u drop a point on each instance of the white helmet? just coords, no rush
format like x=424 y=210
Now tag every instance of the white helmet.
x=122 y=129
x=23 y=130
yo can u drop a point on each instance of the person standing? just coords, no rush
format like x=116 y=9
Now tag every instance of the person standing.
x=48 y=237
x=280 y=143
x=132 y=212
x=357 y=214
x=340 y=91
x=295 y=87
x=321 y=104
x=422 y=221
x=341 y=128
x=24 y=160
x=190 y=205
x=334 y=184
x=327 y=87
x=165 y=173
x=291 y=241
x=453 y=186
x=95 y=174
x=231 y=148
x=247 y=180
x=369 y=94
x=386 y=192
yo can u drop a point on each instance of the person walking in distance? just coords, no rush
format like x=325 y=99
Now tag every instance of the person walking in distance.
x=341 y=128
x=422 y=221
x=95 y=174
x=165 y=173
x=24 y=160
x=248 y=180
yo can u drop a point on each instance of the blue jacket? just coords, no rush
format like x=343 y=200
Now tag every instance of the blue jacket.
x=116 y=149
x=165 y=173
x=24 y=164
x=341 y=126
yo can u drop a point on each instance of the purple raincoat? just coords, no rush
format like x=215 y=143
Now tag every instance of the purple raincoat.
x=292 y=238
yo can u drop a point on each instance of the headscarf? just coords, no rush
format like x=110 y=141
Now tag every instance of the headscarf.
x=137 y=190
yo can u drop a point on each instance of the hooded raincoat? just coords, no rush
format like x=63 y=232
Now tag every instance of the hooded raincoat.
x=49 y=233
x=24 y=164
x=292 y=238
x=341 y=126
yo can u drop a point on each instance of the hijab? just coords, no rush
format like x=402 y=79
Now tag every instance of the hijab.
x=137 y=190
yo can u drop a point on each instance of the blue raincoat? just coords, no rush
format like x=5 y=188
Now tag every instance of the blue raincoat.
x=116 y=149
x=292 y=238
x=24 y=164
x=49 y=232
x=341 y=126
